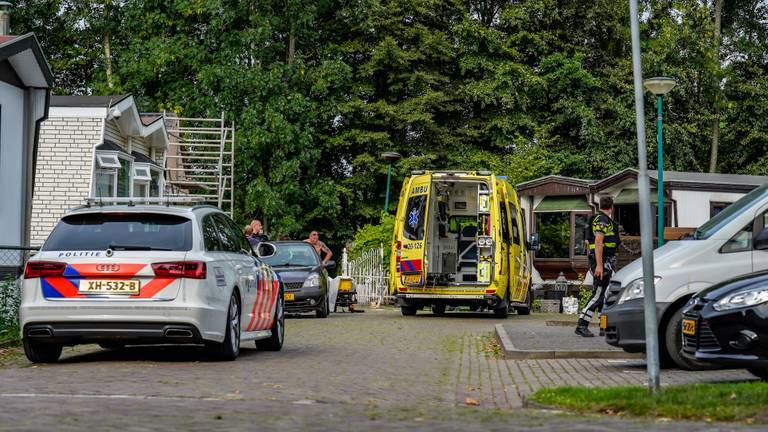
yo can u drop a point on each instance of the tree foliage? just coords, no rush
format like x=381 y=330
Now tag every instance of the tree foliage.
x=318 y=89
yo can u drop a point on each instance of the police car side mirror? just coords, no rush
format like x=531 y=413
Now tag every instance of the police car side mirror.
x=330 y=265
x=761 y=241
x=265 y=250
x=533 y=242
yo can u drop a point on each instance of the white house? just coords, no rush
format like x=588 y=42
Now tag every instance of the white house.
x=95 y=147
x=25 y=82
x=560 y=208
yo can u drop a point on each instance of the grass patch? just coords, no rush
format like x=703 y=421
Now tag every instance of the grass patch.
x=488 y=345
x=745 y=401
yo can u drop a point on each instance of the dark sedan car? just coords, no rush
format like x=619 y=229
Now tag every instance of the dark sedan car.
x=728 y=324
x=304 y=277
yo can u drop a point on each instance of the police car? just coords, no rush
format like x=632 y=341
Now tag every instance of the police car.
x=149 y=274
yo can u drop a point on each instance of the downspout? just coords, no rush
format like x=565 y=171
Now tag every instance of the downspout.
x=31 y=135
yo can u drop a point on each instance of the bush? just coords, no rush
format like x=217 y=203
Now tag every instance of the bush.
x=372 y=236
x=10 y=300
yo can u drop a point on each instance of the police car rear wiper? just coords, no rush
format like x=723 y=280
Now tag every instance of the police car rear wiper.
x=135 y=247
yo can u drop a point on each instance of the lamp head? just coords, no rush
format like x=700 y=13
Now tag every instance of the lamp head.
x=391 y=157
x=660 y=85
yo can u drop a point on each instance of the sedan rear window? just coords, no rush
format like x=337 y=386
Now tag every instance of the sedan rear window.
x=121 y=231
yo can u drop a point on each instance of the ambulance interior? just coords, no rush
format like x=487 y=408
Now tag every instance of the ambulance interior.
x=459 y=228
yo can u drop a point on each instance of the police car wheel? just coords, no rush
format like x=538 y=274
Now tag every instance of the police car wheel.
x=230 y=348
x=275 y=341
x=761 y=373
x=408 y=310
x=41 y=352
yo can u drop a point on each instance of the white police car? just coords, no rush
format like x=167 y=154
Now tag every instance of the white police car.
x=120 y=275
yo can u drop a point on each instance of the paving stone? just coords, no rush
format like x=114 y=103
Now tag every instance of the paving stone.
x=371 y=371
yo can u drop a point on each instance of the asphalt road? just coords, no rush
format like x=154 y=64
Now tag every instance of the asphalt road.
x=366 y=371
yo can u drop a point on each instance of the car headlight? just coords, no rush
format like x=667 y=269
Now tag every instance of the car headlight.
x=312 y=280
x=752 y=297
x=635 y=289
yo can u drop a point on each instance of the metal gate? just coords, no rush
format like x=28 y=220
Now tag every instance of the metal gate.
x=370 y=273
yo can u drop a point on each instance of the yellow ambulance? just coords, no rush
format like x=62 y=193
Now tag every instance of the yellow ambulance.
x=459 y=240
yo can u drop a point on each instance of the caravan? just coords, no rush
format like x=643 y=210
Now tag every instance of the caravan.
x=459 y=240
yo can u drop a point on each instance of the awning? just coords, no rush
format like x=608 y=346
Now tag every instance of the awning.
x=632 y=196
x=563 y=203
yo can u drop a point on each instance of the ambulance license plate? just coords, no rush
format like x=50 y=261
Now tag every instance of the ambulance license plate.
x=689 y=327
x=289 y=296
x=413 y=279
x=603 y=322
x=111 y=287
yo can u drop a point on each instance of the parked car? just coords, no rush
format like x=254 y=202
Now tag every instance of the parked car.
x=459 y=240
x=727 y=324
x=119 y=275
x=304 y=276
x=733 y=243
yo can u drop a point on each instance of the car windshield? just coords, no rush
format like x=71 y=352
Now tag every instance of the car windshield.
x=710 y=227
x=125 y=231
x=294 y=254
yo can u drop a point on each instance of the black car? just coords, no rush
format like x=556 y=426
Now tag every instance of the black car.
x=727 y=324
x=304 y=277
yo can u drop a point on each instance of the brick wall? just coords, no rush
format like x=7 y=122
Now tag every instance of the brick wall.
x=64 y=169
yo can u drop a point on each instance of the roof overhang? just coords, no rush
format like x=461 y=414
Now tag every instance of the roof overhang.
x=26 y=57
x=554 y=185
x=130 y=123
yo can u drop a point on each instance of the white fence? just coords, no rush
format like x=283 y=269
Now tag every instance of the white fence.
x=370 y=273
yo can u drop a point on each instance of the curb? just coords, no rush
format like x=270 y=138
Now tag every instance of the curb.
x=512 y=353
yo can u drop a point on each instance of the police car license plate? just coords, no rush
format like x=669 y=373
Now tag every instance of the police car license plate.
x=603 y=322
x=90 y=286
x=289 y=296
x=412 y=279
x=689 y=327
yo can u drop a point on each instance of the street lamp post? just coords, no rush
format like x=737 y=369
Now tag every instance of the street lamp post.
x=390 y=157
x=660 y=86
x=646 y=240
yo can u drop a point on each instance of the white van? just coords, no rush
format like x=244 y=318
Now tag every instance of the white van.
x=732 y=243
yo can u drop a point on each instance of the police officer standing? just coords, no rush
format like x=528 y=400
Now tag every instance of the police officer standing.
x=603 y=242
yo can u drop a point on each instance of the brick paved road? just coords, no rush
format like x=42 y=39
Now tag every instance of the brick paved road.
x=350 y=372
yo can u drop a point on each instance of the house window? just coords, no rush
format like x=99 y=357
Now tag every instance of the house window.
x=112 y=176
x=554 y=230
x=156 y=182
x=124 y=179
x=716 y=207
x=141 y=180
x=105 y=183
x=581 y=229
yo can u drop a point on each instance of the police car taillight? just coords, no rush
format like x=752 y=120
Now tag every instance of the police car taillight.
x=36 y=269
x=180 y=269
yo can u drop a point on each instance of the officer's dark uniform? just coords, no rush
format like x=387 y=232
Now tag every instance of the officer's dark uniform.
x=601 y=223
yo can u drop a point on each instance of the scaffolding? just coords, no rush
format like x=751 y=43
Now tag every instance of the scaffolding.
x=200 y=160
